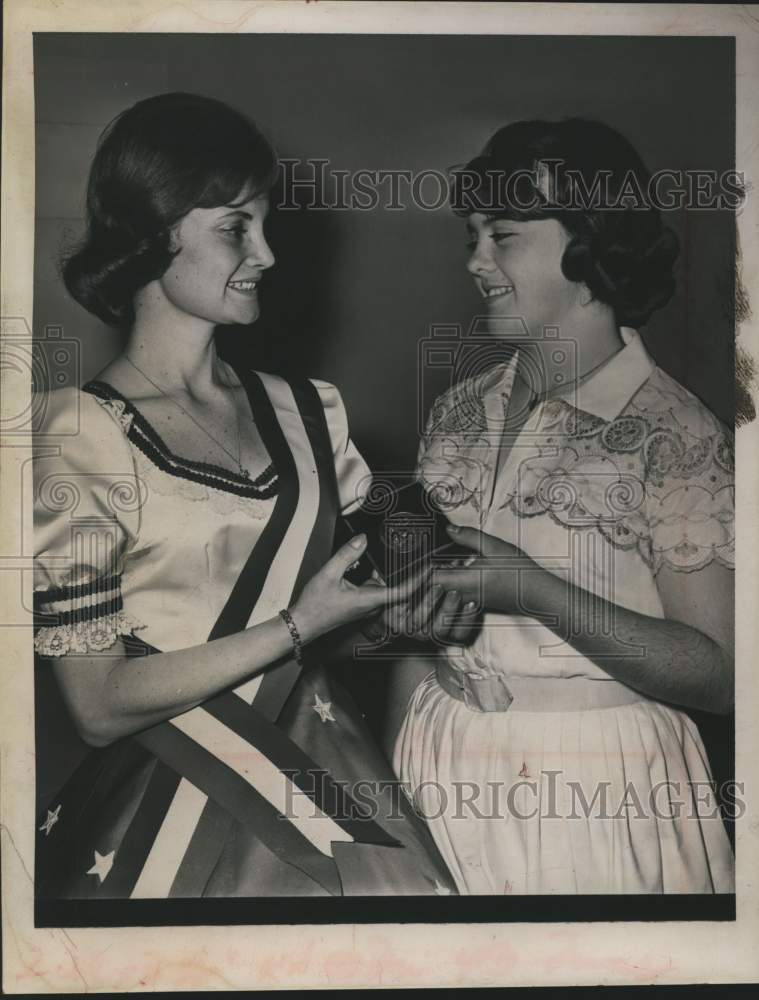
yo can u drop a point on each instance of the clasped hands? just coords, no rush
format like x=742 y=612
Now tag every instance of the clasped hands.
x=446 y=601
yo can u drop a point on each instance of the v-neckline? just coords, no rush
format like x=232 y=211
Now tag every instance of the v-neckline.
x=152 y=445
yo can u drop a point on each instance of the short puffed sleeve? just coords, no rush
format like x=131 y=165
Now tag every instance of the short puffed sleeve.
x=353 y=474
x=690 y=490
x=87 y=502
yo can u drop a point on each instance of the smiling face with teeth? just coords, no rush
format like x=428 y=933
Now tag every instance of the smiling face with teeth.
x=517 y=269
x=222 y=254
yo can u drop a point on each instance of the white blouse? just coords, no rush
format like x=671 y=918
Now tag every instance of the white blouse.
x=603 y=485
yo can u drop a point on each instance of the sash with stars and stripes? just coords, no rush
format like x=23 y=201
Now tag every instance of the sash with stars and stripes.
x=227 y=760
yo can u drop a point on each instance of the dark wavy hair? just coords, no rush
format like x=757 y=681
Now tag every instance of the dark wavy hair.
x=595 y=184
x=154 y=163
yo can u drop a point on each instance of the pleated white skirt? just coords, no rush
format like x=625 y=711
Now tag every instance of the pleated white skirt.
x=608 y=800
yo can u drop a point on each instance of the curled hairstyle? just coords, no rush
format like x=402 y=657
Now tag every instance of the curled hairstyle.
x=590 y=178
x=154 y=163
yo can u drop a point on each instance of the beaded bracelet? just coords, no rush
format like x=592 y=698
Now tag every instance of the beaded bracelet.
x=294 y=635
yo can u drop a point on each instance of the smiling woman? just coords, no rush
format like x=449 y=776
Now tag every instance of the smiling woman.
x=516 y=265
x=223 y=255
x=182 y=591
x=178 y=153
x=598 y=494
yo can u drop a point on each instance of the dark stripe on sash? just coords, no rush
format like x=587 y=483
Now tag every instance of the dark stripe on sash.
x=232 y=793
x=229 y=790
x=202 y=854
x=249 y=585
x=276 y=685
x=135 y=847
x=242 y=801
x=312 y=780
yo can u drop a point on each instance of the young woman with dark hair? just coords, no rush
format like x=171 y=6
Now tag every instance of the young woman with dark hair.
x=597 y=495
x=184 y=566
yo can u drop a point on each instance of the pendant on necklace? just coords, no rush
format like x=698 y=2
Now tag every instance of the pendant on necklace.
x=244 y=473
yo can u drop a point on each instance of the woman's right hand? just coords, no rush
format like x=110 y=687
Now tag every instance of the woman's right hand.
x=329 y=601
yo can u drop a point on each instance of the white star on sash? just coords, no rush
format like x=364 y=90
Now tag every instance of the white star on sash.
x=322 y=708
x=51 y=820
x=103 y=864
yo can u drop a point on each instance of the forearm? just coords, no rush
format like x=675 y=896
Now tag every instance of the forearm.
x=111 y=698
x=663 y=659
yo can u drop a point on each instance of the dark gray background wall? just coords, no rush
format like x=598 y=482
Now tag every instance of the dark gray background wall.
x=353 y=293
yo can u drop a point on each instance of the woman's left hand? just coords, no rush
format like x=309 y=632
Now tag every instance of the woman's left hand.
x=490 y=576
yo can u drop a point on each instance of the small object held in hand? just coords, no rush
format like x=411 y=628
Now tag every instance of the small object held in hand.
x=373 y=630
x=294 y=635
x=360 y=570
x=402 y=531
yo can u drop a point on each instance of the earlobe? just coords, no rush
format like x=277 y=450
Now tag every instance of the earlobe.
x=585 y=296
x=174 y=244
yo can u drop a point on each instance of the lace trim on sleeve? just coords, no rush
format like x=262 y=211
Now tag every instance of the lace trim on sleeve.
x=692 y=527
x=85 y=636
x=87 y=617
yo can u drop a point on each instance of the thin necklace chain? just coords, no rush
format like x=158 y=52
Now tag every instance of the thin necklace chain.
x=164 y=392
